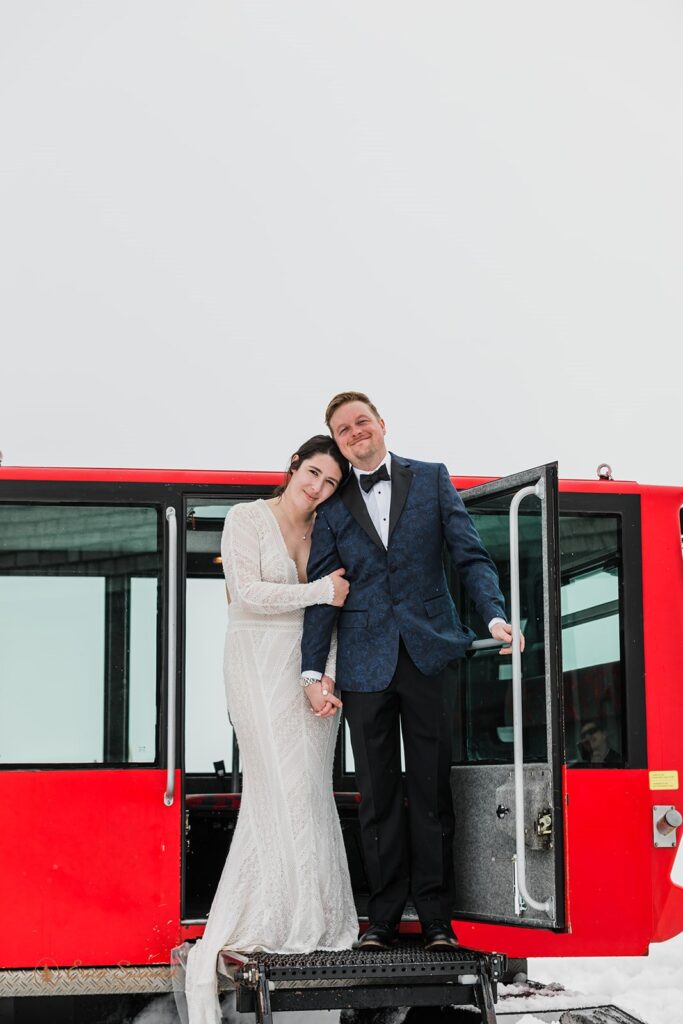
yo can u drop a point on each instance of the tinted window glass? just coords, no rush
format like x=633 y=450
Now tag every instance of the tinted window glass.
x=483 y=726
x=592 y=653
x=79 y=625
x=592 y=648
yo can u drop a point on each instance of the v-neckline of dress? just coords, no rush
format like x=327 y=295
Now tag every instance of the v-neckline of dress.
x=280 y=534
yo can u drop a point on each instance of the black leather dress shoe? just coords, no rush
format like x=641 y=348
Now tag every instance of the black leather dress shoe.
x=438 y=936
x=380 y=935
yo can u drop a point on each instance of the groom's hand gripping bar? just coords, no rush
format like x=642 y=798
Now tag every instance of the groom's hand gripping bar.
x=485 y=645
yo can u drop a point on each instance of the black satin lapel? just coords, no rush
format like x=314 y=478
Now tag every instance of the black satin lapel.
x=353 y=499
x=401 y=479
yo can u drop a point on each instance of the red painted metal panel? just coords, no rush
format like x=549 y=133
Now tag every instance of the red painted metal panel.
x=663 y=621
x=188 y=477
x=609 y=833
x=90 y=867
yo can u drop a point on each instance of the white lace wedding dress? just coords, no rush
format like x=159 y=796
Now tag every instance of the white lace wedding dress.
x=285 y=886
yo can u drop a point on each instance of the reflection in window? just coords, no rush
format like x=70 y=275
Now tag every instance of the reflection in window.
x=592 y=663
x=143 y=660
x=482 y=727
x=79 y=593
x=593 y=676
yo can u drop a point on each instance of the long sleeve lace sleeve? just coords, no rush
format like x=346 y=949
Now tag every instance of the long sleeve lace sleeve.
x=242 y=558
x=331 y=664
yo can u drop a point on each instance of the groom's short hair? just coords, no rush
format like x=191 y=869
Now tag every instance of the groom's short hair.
x=343 y=398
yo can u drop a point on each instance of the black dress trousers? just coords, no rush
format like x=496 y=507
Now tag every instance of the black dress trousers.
x=405 y=853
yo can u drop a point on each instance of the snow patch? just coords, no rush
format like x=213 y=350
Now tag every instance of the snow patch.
x=650 y=988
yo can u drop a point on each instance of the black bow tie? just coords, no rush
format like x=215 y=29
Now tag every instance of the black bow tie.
x=368 y=480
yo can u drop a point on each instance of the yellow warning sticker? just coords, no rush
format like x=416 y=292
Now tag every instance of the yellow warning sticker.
x=663 y=780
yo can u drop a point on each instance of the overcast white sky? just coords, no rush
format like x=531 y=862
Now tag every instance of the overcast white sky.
x=213 y=216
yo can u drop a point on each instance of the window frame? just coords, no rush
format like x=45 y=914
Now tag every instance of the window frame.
x=106 y=494
x=627 y=508
x=202 y=782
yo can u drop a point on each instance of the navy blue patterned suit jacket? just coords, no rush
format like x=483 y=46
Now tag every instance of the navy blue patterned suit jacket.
x=400 y=590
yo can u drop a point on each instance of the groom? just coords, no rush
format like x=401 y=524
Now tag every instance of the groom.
x=397 y=634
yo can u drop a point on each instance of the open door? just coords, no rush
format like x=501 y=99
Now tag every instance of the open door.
x=508 y=734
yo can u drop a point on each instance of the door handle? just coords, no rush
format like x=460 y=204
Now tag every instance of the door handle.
x=517 y=719
x=170 y=654
x=485 y=645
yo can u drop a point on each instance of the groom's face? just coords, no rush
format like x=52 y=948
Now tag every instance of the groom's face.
x=359 y=434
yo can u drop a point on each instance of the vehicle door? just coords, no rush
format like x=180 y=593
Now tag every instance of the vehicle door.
x=507 y=781
x=90 y=865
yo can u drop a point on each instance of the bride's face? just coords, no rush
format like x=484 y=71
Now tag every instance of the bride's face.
x=313 y=481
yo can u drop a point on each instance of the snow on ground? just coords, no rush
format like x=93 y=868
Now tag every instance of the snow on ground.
x=529 y=1019
x=519 y=999
x=649 y=987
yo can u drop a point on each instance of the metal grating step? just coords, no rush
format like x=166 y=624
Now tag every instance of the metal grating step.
x=406 y=961
x=404 y=975
x=405 y=952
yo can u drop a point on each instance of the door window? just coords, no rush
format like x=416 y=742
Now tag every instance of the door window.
x=80 y=591
x=592 y=650
x=208 y=731
x=483 y=720
x=592 y=659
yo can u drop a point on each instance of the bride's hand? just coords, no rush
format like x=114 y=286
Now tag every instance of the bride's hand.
x=324 y=704
x=340 y=587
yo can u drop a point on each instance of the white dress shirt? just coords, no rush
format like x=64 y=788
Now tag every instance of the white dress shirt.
x=378 y=499
x=378 y=503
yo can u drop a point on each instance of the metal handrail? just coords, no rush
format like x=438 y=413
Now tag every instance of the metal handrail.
x=517 y=714
x=485 y=645
x=170 y=655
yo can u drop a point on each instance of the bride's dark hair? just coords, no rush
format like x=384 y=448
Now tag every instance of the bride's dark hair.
x=321 y=444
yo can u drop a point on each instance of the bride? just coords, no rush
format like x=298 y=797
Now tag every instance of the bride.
x=285 y=886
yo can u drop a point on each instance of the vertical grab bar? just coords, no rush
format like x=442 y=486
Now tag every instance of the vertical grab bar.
x=517 y=720
x=170 y=655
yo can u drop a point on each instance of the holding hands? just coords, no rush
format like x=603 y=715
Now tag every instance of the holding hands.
x=321 y=695
x=322 y=698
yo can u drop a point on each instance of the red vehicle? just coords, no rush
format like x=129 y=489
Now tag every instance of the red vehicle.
x=120 y=778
